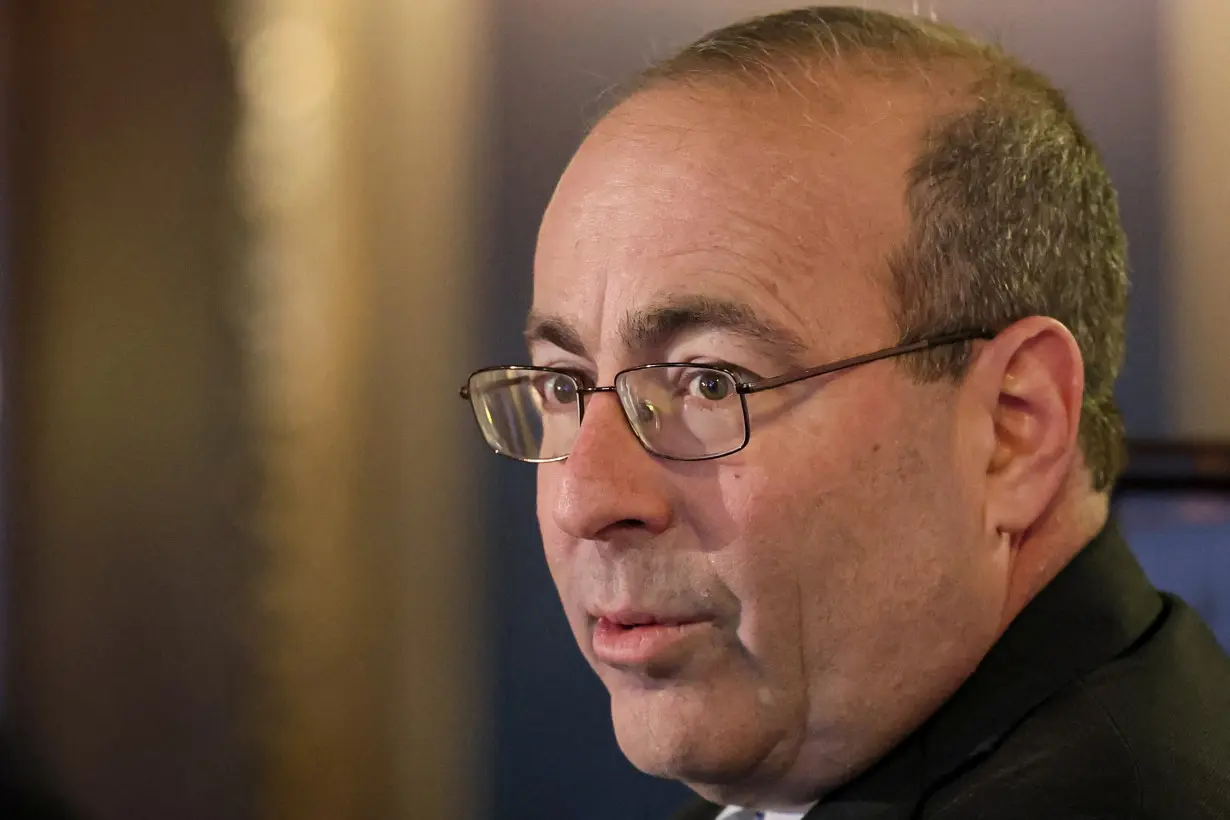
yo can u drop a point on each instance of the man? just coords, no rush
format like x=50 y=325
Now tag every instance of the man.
x=847 y=554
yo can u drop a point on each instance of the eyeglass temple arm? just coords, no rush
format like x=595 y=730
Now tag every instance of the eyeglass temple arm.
x=886 y=353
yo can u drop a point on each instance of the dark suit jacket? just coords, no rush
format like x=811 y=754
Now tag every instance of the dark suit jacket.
x=1104 y=699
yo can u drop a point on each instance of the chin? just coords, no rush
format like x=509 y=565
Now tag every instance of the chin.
x=702 y=733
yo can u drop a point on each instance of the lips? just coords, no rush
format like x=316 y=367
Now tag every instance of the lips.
x=633 y=619
x=630 y=638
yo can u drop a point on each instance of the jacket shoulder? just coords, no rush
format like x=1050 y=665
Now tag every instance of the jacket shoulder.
x=1068 y=760
x=1145 y=736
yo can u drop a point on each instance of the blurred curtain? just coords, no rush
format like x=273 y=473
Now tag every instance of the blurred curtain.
x=359 y=127
x=1196 y=73
x=240 y=551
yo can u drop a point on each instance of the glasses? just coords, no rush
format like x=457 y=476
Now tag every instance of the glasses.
x=683 y=412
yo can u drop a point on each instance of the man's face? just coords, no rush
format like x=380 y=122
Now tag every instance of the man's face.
x=770 y=621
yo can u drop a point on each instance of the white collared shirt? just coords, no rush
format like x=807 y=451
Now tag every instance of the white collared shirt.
x=740 y=813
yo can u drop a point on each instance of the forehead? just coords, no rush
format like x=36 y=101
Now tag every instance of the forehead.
x=772 y=200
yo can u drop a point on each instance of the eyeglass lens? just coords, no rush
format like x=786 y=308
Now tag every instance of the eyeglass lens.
x=680 y=412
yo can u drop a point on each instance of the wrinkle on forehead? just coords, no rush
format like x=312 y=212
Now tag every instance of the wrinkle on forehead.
x=766 y=160
x=672 y=184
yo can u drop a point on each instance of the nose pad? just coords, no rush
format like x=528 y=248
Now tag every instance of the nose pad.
x=612 y=420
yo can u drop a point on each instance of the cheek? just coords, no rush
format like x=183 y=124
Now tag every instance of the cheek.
x=751 y=530
x=555 y=543
x=545 y=498
x=821 y=543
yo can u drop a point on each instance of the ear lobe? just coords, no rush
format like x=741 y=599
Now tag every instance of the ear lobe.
x=1037 y=368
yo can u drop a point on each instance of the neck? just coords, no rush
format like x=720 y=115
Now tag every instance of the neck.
x=1039 y=553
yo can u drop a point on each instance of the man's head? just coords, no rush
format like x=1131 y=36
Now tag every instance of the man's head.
x=787 y=192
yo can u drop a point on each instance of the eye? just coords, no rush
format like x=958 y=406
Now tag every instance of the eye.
x=711 y=385
x=556 y=389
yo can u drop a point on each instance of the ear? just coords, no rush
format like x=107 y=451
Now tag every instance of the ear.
x=1026 y=387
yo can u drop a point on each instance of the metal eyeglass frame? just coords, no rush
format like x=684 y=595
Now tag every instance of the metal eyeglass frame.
x=742 y=389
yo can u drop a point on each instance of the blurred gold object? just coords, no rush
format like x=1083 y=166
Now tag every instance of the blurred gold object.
x=355 y=171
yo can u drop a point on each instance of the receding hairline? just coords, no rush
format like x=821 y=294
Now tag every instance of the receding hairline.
x=941 y=88
x=958 y=71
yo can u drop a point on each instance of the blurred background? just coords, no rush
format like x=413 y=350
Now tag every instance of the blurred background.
x=256 y=563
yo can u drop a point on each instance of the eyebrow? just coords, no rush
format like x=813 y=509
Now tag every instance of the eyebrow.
x=554 y=330
x=656 y=326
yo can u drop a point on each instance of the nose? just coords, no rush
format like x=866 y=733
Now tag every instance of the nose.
x=609 y=483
